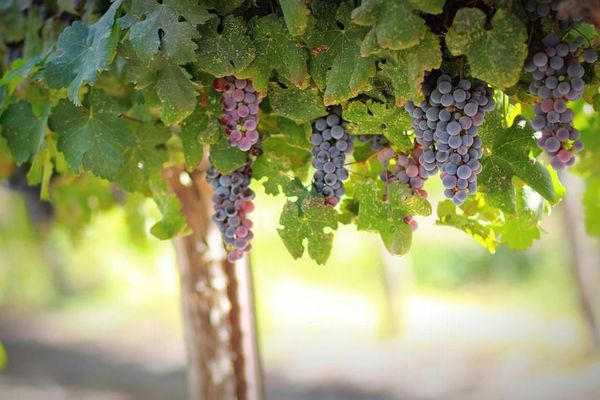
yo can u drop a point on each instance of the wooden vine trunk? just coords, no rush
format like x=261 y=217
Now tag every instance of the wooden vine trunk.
x=217 y=301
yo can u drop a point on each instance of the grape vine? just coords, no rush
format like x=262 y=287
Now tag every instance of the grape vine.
x=358 y=104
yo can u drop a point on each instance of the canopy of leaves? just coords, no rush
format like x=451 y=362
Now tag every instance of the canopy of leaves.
x=123 y=90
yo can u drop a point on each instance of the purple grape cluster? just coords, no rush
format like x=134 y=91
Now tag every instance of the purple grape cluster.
x=557 y=76
x=376 y=141
x=446 y=125
x=536 y=9
x=330 y=145
x=232 y=200
x=404 y=168
x=240 y=104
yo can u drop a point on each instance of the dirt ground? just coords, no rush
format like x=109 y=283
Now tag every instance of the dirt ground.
x=54 y=370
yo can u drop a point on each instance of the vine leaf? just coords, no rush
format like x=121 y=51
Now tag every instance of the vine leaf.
x=382 y=210
x=507 y=157
x=275 y=50
x=173 y=221
x=285 y=158
x=224 y=6
x=23 y=131
x=82 y=53
x=406 y=68
x=226 y=158
x=296 y=15
x=94 y=136
x=155 y=26
x=228 y=52
x=201 y=128
x=145 y=159
x=521 y=230
x=177 y=93
x=306 y=220
x=395 y=24
x=336 y=64
x=495 y=56
x=469 y=222
x=298 y=105
x=373 y=117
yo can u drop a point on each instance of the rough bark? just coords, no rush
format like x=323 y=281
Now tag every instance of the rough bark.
x=216 y=296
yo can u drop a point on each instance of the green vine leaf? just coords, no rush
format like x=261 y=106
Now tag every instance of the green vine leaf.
x=177 y=93
x=382 y=210
x=159 y=25
x=406 y=68
x=373 y=117
x=172 y=222
x=396 y=25
x=306 y=220
x=521 y=230
x=300 y=106
x=336 y=64
x=296 y=15
x=82 y=53
x=469 y=221
x=23 y=131
x=495 y=56
x=508 y=156
x=285 y=158
x=145 y=159
x=226 y=158
x=275 y=51
x=228 y=52
x=93 y=136
x=201 y=128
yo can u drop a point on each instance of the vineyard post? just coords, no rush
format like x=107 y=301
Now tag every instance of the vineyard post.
x=217 y=303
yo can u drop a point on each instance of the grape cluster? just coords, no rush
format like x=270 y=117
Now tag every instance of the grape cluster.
x=330 y=145
x=404 y=168
x=240 y=104
x=376 y=142
x=557 y=78
x=446 y=125
x=536 y=9
x=232 y=200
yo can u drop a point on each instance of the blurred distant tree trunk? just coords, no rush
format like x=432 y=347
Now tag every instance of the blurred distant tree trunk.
x=395 y=280
x=585 y=255
x=218 y=303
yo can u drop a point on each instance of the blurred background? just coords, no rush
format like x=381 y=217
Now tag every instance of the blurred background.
x=96 y=314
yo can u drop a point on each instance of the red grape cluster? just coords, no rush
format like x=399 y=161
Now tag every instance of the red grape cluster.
x=240 y=104
x=557 y=76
